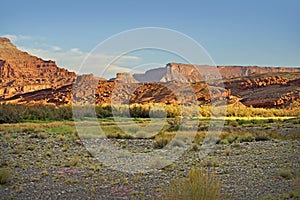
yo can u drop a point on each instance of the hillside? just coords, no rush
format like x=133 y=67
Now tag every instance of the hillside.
x=28 y=79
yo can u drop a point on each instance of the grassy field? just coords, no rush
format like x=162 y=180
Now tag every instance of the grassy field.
x=11 y=113
x=236 y=129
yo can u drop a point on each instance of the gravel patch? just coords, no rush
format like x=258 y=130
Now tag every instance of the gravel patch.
x=55 y=167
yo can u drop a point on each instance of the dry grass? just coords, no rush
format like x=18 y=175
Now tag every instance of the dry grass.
x=5 y=174
x=199 y=185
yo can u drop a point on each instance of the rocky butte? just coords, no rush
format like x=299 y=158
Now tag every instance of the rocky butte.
x=21 y=73
x=28 y=79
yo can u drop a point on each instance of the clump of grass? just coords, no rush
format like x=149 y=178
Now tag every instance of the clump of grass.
x=227 y=151
x=247 y=137
x=48 y=153
x=233 y=123
x=160 y=143
x=228 y=138
x=66 y=148
x=20 y=190
x=45 y=173
x=199 y=137
x=198 y=185
x=293 y=194
x=17 y=149
x=211 y=162
x=286 y=173
x=195 y=147
x=174 y=124
x=7 y=136
x=268 y=197
x=74 y=161
x=161 y=140
x=5 y=175
x=236 y=144
x=61 y=138
x=30 y=148
x=262 y=136
x=70 y=181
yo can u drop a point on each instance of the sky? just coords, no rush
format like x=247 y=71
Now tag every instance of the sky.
x=232 y=32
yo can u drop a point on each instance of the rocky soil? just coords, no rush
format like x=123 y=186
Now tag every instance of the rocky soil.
x=59 y=167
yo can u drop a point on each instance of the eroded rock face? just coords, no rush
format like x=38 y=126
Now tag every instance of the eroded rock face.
x=267 y=91
x=263 y=82
x=28 y=79
x=22 y=73
x=172 y=92
x=197 y=73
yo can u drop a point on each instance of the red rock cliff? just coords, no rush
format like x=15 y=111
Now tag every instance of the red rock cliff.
x=22 y=73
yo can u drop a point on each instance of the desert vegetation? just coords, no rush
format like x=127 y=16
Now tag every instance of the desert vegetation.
x=40 y=154
x=199 y=185
x=41 y=145
x=11 y=113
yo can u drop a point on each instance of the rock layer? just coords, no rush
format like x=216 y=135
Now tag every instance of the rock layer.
x=22 y=73
x=28 y=79
x=196 y=73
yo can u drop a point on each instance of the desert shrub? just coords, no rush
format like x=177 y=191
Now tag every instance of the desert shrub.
x=199 y=137
x=74 y=161
x=174 y=124
x=285 y=173
x=246 y=137
x=227 y=151
x=103 y=111
x=5 y=174
x=261 y=136
x=205 y=111
x=172 y=111
x=160 y=143
x=138 y=110
x=198 y=185
x=268 y=197
x=195 y=147
x=241 y=122
x=12 y=113
x=211 y=162
x=243 y=111
x=161 y=140
x=231 y=138
x=233 y=123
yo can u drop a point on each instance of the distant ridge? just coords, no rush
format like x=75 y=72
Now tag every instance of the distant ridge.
x=196 y=73
x=27 y=79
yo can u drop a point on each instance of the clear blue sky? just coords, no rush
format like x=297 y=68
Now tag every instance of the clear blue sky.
x=262 y=32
